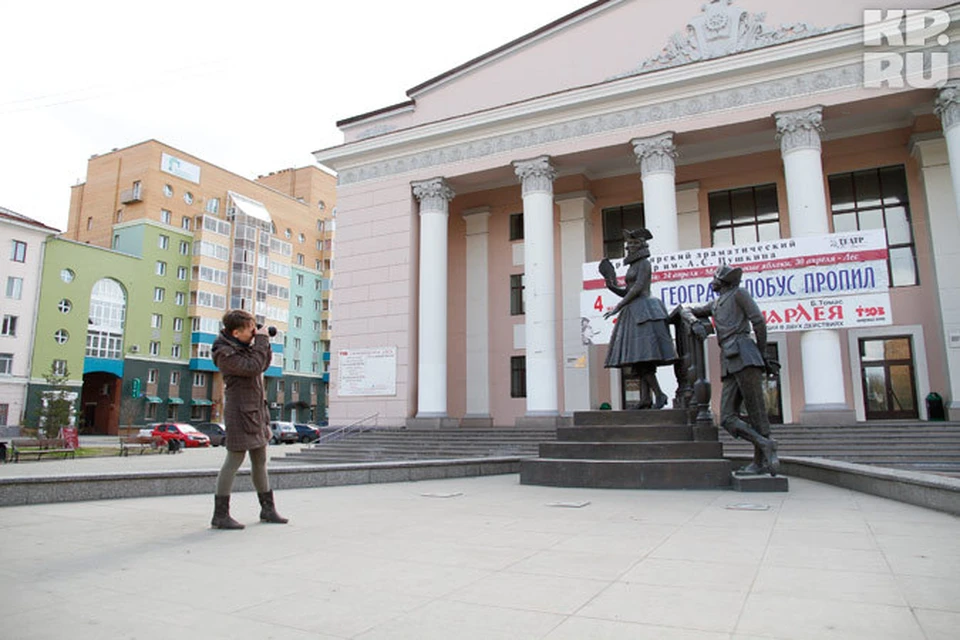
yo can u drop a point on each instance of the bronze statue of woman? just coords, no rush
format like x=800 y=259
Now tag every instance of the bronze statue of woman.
x=641 y=339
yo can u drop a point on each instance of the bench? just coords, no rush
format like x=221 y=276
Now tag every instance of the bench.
x=140 y=443
x=40 y=447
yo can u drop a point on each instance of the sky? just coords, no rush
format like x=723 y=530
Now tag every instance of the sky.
x=250 y=87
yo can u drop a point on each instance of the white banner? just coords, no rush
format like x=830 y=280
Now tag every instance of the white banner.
x=368 y=372
x=180 y=168
x=834 y=281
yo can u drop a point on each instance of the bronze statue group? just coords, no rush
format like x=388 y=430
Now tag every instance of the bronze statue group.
x=641 y=342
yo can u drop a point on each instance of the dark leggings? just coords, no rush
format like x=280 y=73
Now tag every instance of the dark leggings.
x=258 y=464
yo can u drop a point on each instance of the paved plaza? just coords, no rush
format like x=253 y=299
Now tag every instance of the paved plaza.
x=483 y=558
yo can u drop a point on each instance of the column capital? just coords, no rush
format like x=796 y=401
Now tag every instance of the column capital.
x=536 y=175
x=799 y=129
x=947 y=105
x=656 y=154
x=434 y=195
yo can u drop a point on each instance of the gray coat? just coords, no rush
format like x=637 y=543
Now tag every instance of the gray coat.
x=734 y=313
x=245 y=412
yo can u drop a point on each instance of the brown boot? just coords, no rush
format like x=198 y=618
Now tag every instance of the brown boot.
x=268 y=512
x=221 y=514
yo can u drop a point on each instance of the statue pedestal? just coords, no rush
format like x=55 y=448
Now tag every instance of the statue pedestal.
x=631 y=450
x=759 y=484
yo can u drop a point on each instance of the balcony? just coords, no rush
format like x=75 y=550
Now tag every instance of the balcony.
x=131 y=196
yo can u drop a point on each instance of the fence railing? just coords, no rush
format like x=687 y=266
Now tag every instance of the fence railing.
x=343 y=432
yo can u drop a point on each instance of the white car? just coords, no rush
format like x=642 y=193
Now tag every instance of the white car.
x=283 y=432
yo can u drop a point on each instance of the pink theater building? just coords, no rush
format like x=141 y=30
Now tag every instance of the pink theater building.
x=466 y=213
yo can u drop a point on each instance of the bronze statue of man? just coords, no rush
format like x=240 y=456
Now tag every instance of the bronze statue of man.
x=742 y=364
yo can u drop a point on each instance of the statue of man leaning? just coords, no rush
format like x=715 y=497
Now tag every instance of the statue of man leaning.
x=743 y=364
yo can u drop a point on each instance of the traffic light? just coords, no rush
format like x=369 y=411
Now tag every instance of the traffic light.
x=135 y=387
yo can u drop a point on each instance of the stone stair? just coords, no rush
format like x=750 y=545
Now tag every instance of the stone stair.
x=424 y=444
x=918 y=446
x=629 y=450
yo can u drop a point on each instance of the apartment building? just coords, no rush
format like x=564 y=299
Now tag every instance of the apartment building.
x=22 y=239
x=175 y=242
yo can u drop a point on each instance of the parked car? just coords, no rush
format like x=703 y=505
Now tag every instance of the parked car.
x=283 y=432
x=308 y=432
x=183 y=432
x=215 y=431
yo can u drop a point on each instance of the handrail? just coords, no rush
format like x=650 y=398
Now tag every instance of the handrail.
x=343 y=432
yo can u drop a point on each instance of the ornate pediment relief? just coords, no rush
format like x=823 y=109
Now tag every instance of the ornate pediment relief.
x=721 y=30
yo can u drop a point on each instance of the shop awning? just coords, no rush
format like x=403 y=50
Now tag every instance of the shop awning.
x=202 y=402
x=174 y=400
x=153 y=400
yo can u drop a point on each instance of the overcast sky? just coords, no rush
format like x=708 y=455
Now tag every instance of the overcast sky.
x=250 y=87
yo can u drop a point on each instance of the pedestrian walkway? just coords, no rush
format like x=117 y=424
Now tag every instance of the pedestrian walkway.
x=485 y=558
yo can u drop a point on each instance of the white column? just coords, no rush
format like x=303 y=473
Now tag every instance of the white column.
x=434 y=196
x=656 y=156
x=947 y=106
x=822 y=356
x=579 y=386
x=537 y=176
x=478 y=319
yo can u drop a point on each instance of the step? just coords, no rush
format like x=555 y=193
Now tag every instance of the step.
x=631 y=450
x=626 y=474
x=652 y=417
x=624 y=433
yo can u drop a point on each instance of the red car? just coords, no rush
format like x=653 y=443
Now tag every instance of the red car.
x=185 y=433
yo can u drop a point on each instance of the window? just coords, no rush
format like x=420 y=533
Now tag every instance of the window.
x=319 y=245
x=316 y=346
x=119 y=215
x=137 y=189
x=300 y=259
x=59 y=367
x=150 y=412
x=152 y=375
x=64 y=306
x=299 y=301
x=213 y=205
x=61 y=336
x=298 y=322
x=165 y=216
x=296 y=343
x=155 y=348
x=168 y=190
x=296 y=365
x=295 y=387
x=6 y=363
x=185 y=223
x=161 y=268
x=181 y=273
x=184 y=248
x=615 y=221
x=316 y=305
x=744 y=216
x=107 y=315
x=188 y=197
x=299 y=279
x=287 y=234
x=518 y=376
x=156 y=321
x=877 y=199
x=180 y=298
x=158 y=293
x=178 y=324
x=316 y=264
x=517 y=295
x=67 y=275
x=163 y=241
x=316 y=326
x=279 y=386
x=89 y=223
x=9 y=326
x=172 y=411
x=14 y=287
x=116 y=241
x=174 y=378
x=516 y=226
x=19 y=252
x=175 y=351
x=199 y=379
